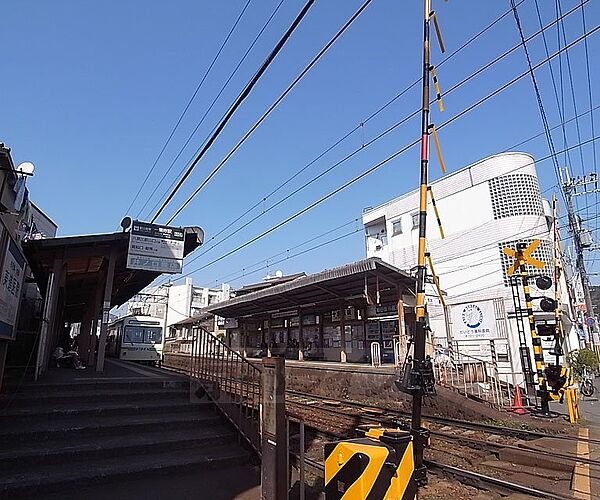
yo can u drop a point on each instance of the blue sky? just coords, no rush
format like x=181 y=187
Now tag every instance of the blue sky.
x=91 y=90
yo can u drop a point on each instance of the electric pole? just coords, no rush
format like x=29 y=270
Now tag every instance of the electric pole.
x=570 y=188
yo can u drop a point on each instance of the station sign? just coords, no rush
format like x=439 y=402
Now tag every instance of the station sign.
x=157 y=248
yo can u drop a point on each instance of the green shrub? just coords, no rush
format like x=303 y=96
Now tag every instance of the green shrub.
x=581 y=361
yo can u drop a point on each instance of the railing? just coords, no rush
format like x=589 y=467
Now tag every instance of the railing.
x=471 y=376
x=231 y=381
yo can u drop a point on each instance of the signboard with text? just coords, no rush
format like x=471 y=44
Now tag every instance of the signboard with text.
x=474 y=320
x=11 y=281
x=155 y=248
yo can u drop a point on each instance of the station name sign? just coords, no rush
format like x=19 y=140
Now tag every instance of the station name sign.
x=157 y=248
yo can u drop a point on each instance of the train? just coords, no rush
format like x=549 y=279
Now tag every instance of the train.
x=137 y=338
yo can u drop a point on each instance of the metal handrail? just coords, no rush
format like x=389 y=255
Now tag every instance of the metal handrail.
x=231 y=381
x=466 y=373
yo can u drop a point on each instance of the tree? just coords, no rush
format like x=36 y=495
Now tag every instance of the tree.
x=582 y=361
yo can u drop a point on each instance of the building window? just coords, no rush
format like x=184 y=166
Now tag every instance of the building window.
x=515 y=194
x=397 y=227
x=415 y=220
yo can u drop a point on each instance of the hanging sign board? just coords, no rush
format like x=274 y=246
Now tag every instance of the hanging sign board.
x=155 y=248
x=473 y=320
x=11 y=280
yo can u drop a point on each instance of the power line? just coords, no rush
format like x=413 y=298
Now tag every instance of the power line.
x=305 y=242
x=240 y=99
x=394 y=155
x=272 y=107
x=189 y=103
x=364 y=122
x=201 y=121
x=297 y=254
x=536 y=89
x=356 y=151
x=398 y=153
x=360 y=125
x=561 y=111
x=337 y=190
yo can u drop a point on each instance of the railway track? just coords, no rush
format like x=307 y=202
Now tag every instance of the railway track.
x=390 y=418
x=322 y=415
x=464 y=476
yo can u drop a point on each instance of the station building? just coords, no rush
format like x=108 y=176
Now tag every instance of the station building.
x=333 y=315
x=484 y=207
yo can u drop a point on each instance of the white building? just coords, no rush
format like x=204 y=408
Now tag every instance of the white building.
x=176 y=302
x=484 y=207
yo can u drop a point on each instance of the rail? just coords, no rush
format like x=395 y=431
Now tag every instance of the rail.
x=230 y=380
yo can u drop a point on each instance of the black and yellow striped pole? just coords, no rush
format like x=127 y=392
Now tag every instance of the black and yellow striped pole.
x=420 y=313
x=523 y=257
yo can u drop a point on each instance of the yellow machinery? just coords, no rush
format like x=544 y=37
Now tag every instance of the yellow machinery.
x=379 y=465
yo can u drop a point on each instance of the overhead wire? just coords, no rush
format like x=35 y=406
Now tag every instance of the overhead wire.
x=360 y=126
x=561 y=111
x=536 y=89
x=237 y=103
x=187 y=106
x=203 y=118
x=359 y=149
x=393 y=156
x=264 y=116
x=589 y=86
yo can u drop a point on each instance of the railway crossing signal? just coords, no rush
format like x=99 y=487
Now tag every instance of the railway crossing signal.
x=522 y=256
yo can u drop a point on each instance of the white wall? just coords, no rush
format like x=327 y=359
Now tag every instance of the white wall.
x=468 y=261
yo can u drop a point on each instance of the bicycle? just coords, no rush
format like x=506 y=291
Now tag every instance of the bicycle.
x=586 y=386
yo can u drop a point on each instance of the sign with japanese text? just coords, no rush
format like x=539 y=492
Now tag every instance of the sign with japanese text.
x=155 y=248
x=11 y=281
x=473 y=320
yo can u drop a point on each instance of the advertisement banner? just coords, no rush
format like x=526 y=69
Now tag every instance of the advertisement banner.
x=473 y=320
x=11 y=280
x=156 y=248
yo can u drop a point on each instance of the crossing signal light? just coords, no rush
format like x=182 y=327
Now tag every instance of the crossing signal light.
x=545 y=330
x=548 y=305
x=543 y=282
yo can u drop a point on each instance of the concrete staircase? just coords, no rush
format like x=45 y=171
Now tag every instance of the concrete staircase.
x=62 y=438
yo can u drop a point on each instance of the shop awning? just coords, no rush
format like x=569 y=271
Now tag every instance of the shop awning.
x=370 y=280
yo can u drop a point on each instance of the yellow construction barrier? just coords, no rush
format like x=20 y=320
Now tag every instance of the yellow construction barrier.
x=378 y=466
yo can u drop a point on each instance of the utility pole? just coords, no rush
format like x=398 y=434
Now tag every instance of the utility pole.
x=570 y=188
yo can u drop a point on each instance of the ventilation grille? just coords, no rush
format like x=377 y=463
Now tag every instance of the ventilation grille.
x=543 y=252
x=515 y=194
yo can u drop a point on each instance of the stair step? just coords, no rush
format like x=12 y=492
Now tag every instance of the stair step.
x=81 y=473
x=139 y=443
x=28 y=399
x=82 y=409
x=112 y=384
x=75 y=427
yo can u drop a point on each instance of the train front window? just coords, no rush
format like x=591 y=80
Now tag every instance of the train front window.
x=134 y=335
x=153 y=335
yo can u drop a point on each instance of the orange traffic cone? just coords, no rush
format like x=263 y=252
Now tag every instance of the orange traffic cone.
x=518 y=402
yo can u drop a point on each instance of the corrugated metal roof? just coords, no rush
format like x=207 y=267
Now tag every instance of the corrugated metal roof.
x=329 y=285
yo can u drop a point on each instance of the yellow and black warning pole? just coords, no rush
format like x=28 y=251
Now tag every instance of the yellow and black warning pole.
x=538 y=355
x=418 y=367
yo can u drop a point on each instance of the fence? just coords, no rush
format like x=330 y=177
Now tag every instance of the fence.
x=473 y=377
x=231 y=381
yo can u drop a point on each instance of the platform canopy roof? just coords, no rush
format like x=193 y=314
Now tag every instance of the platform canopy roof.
x=85 y=259
x=371 y=281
